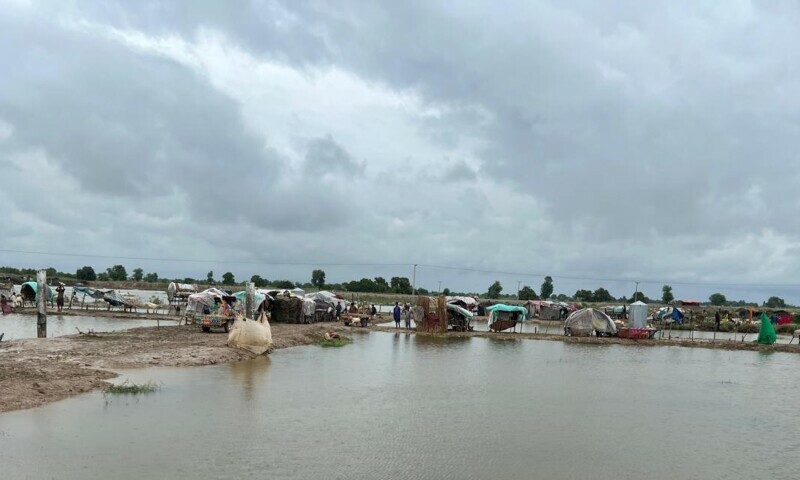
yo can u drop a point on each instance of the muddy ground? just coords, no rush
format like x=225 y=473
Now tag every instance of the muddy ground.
x=34 y=372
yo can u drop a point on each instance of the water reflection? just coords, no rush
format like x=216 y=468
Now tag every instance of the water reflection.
x=249 y=374
x=401 y=406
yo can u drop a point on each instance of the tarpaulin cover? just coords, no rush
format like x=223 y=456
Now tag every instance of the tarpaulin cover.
x=241 y=297
x=766 y=334
x=255 y=336
x=34 y=287
x=590 y=319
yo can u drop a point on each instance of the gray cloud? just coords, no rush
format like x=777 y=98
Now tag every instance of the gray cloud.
x=652 y=142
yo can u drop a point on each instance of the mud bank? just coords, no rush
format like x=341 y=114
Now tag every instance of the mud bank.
x=34 y=372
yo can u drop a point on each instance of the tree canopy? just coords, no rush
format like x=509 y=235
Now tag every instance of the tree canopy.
x=717 y=299
x=666 y=294
x=318 y=278
x=117 y=273
x=775 y=302
x=495 y=290
x=527 y=293
x=547 y=287
x=228 y=279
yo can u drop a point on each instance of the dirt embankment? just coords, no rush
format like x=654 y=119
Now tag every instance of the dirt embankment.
x=34 y=372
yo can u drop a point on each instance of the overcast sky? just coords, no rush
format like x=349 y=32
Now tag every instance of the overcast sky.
x=597 y=143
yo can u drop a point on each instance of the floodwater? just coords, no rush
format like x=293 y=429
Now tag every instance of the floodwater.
x=414 y=407
x=16 y=326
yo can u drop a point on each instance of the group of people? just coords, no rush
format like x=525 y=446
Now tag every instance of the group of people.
x=399 y=314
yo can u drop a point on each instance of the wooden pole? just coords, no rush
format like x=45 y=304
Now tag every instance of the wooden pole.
x=41 y=304
x=250 y=300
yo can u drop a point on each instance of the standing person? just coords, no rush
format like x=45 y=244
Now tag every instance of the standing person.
x=774 y=319
x=717 y=319
x=338 y=310
x=396 y=314
x=373 y=310
x=407 y=316
x=60 y=297
x=4 y=305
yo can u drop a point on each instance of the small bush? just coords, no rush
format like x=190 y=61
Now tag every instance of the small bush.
x=335 y=342
x=131 y=388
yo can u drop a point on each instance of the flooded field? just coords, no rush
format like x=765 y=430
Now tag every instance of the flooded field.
x=18 y=326
x=406 y=406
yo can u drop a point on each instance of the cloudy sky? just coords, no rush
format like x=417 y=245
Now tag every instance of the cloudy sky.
x=650 y=141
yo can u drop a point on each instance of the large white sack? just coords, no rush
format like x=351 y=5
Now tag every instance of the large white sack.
x=252 y=335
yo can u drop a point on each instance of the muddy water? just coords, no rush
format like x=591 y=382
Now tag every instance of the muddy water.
x=404 y=406
x=16 y=326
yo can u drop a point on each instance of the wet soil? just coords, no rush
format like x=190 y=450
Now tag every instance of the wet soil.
x=34 y=372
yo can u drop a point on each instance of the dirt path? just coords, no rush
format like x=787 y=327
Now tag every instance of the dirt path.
x=34 y=372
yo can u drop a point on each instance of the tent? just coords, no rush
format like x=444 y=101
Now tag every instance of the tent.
x=29 y=292
x=666 y=314
x=299 y=292
x=637 y=315
x=241 y=297
x=206 y=298
x=503 y=317
x=332 y=299
x=586 y=321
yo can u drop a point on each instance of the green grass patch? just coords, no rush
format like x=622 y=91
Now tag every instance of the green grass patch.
x=335 y=342
x=126 y=388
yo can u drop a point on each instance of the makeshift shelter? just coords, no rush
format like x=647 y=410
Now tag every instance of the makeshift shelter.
x=589 y=321
x=29 y=292
x=207 y=299
x=287 y=309
x=458 y=318
x=502 y=316
x=178 y=293
x=299 y=292
x=637 y=315
x=468 y=303
x=666 y=314
x=258 y=299
x=766 y=333
x=329 y=298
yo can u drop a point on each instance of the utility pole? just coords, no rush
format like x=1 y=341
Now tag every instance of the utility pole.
x=519 y=282
x=41 y=304
x=636 y=294
x=414 y=281
x=250 y=300
x=440 y=288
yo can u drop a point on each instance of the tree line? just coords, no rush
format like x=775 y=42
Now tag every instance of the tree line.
x=398 y=285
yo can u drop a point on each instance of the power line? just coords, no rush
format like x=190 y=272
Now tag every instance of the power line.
x=423 y=265
x=191 y=260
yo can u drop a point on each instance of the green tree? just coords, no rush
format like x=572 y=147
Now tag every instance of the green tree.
x=151 y=277
x=527 y=293
x=284 y=284
x=666 y=294
x=775 y=302
x=103 y=277
x=258 y=281
x=422 y=291
x=86 y=273
x=401 y=285
x=381 y=285
x=547 y=287
x=210 y=277
x=717 y=299
x=138 y=275
x=639 y=297
x=446 y=292
x=318 y=279
x=583 y=295
x=602 y=295
x=495 y=290
x=117 y=273
x=228 y=279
